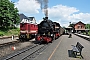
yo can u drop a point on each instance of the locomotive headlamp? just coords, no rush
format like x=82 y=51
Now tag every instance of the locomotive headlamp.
x=44 y=34
x=51 y=34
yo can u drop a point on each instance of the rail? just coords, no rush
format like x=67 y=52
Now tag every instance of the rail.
x=29 y=52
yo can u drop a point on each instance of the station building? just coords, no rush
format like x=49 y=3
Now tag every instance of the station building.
x=79 y=27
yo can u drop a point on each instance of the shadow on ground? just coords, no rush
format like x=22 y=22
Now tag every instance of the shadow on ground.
x=71 y=54
x=24 y=40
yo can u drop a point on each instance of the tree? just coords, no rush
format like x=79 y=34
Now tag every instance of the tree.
x=87 y=26
x=8 y=14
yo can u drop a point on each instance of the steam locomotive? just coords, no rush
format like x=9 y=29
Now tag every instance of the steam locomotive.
x=47 y=31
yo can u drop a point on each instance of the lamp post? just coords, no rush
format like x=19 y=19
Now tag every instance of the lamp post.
x=70 y=26
x=70 y=35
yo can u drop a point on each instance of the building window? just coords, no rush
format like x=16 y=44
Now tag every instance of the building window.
x=78 y=27
x=81 y=27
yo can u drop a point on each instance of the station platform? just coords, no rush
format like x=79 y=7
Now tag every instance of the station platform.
x=6 y=40
x=61 y=49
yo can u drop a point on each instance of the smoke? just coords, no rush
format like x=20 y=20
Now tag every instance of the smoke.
x=44 y=6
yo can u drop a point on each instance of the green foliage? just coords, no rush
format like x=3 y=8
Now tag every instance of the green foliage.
x=9 y=32
x=8 y=14
x=1 y=33
x=87 y=26
x=89 y=33
x=13 y=32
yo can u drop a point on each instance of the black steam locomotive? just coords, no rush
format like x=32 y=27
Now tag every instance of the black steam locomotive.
x=47 y=31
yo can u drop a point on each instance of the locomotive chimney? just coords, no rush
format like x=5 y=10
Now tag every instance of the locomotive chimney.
x=46 y=18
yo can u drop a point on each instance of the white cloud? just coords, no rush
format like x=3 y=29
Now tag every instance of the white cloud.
x=85 y=17
x=28 y=6
x=59 y=13
x=65 y=14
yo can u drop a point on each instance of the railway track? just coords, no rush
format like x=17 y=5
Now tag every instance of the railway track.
x=28 y=53
x=35 y=53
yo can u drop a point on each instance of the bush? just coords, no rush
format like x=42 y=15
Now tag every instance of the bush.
x=1 y=33
x=9 y=32
x=89 y=33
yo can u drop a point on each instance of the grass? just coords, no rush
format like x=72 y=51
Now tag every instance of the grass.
x=9 y=31
x=89 y=33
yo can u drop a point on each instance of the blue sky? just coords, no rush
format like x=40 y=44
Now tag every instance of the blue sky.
x=82 y=5
x=62 y=11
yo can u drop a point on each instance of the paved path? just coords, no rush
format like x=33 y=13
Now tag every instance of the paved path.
x=61 y=49
x=8 y=40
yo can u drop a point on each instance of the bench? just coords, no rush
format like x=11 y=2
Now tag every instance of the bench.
x=77 y=49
